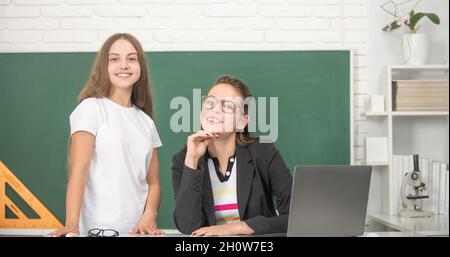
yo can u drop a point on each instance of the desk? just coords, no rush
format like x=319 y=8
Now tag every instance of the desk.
x=431 y=226
x=43 y=232
x=176 y=233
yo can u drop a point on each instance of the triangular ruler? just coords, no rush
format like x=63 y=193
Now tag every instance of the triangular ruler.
x=46 y=219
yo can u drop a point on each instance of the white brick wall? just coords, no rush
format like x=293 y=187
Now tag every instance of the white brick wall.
x=82 y=25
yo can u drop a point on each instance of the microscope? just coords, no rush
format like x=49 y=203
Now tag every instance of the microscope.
x=412 y=182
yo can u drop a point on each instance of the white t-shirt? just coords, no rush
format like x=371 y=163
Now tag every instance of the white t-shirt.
x=116 y=189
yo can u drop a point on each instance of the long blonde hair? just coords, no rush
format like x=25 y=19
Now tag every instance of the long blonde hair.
x=99 y=84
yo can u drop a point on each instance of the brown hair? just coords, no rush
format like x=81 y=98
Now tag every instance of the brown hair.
x=99 y=84
x=242 y=138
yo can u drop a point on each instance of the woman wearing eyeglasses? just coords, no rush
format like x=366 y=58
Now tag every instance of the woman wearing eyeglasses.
x=225 y=180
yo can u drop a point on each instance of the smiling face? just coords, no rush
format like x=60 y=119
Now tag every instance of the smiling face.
x=123 y=65
x=221 y=111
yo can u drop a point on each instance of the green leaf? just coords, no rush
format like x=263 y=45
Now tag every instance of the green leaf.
x=434 y=18
x=415 y=19
x=391 y=26
x=418 y=16
x=394 y=25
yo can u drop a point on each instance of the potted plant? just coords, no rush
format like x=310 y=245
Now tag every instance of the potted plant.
x=415 y=44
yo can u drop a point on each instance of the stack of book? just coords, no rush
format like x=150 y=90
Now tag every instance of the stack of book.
x=434 y=175
x=414 y=95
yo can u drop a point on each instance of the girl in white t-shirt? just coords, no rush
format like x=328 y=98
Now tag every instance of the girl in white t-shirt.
x=113 y=162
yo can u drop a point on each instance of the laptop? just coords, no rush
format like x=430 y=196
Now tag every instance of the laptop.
x=329 y=201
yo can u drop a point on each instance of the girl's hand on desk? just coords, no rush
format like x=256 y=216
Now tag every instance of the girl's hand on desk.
x=232 y=229
x=66 y=231
x=147 y=225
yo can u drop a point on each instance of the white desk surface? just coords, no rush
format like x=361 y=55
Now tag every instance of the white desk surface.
x=43 y=232
x=176 y=233
x=431 y=226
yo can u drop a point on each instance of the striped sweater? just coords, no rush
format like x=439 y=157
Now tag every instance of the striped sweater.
x=224 y=191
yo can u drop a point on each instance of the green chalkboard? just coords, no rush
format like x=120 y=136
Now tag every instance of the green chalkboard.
x=38 y=92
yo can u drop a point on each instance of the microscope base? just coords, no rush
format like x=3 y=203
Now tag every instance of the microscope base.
x=407 y=213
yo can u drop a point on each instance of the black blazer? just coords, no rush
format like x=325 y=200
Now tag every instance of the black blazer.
x=261 y=175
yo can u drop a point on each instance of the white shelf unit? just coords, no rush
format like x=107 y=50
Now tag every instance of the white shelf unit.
x=423 y=133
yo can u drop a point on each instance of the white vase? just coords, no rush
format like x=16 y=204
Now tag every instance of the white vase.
x=415 y=48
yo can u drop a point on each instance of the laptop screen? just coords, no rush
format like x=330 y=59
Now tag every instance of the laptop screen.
x=329 y=200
